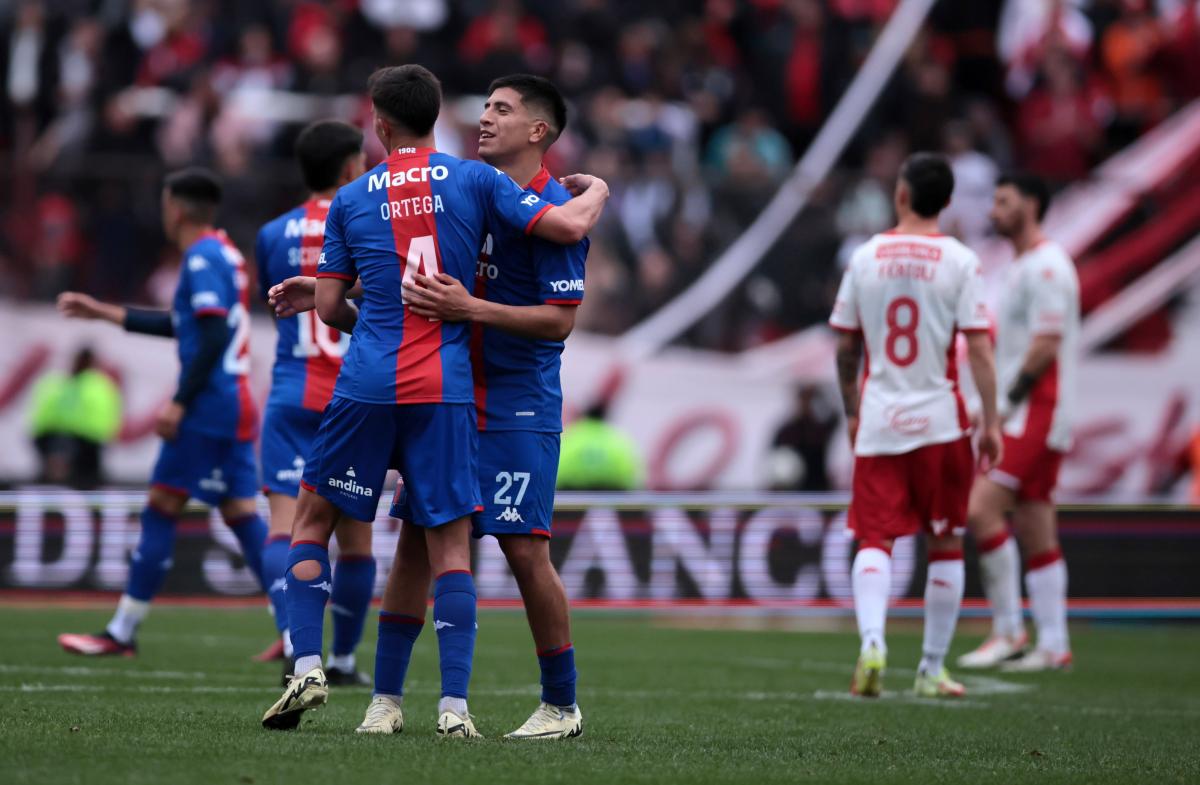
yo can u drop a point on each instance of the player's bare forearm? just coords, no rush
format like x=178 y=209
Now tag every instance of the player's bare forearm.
x=540 y=322
x=983 y=371
x=332 y=306
x=849 y=360
x=298 y=294
x=1043 y=351
x=571 y=222
x=76 y=305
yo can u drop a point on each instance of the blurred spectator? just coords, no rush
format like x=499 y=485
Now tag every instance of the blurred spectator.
x=1058 y=126
x=596 y=455
x=1131 y=48
x=71 y=418
x=974 y=182
x=797 y=458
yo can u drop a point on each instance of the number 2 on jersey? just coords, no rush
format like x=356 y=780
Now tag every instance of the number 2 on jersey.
x=901 y=345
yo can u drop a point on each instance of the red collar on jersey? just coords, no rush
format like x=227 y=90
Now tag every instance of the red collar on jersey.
x=538 y=183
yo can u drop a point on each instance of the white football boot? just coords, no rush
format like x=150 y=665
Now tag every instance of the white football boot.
x=302 y=693
x=453 y=725
x=993 y=651
x=550 y=722
x=383 y=716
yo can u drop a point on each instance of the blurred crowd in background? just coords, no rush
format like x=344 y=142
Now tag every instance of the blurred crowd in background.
x=693 y=111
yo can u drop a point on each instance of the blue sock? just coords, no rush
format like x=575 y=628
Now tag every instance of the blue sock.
x=454 y=620
x=274 y=565
x=558 y=675
x=251 y=532
x=353 y=588
x=306 y=599
x=397 y=634
x=152 y=556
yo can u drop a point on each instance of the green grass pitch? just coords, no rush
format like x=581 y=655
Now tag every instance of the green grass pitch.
x=663 y=704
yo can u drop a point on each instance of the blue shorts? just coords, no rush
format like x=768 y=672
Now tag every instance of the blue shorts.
x=517 y=473
x=287 y=436
x=208 y=468
x=434 y=445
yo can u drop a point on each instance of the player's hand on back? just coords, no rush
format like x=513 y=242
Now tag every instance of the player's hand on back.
x=295 y=295
x=439 y=297
x=991 y=446
x=166 y=424
x=578 y=183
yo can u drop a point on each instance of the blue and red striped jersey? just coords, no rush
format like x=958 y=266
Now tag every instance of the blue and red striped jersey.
x=517 y=379
x=308 y=352
x=418 y=211
x=213 y=282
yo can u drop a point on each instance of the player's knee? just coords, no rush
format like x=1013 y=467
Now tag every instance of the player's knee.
x=237 y=509
x=525 y=555
x=166 y=502
x=354 y=538
x=308 y=570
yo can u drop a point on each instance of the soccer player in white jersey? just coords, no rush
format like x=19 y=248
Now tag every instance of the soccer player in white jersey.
x=1036 y=351
x=904 y=297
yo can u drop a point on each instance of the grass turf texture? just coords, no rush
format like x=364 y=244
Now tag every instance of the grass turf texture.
x=661 y=705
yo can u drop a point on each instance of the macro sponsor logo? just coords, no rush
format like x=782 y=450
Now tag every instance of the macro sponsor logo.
x=400 y=177
x=905 y=422
x=304 y=227
x=350 y=485
x=561 y=287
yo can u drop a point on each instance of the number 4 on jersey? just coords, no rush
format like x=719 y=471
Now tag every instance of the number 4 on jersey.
x=421 y=258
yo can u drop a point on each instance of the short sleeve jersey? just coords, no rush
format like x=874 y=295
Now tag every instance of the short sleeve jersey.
x=308 y=353
x=1041 y=297
x=420 y=211
x=517 y=379
x=909 y=295
x=213 y=283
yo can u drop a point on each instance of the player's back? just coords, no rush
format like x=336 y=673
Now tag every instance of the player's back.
x=420 y=211
x=213 y=283
x=308 y=353
x=910 y=295
x=517 y=379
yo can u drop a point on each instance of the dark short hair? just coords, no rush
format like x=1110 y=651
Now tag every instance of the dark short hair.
x=198 y=190
x=194 y=184
x=407 y=94
x=930 y=181
x=323 y=148
x=1031 y=186
x=540 y=94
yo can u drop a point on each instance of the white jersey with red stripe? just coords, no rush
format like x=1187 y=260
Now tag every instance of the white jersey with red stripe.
x=1041 y=297
x=909 y=295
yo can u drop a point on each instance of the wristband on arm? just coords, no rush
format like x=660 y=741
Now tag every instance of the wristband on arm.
x=149 y=322
x=1021 y=387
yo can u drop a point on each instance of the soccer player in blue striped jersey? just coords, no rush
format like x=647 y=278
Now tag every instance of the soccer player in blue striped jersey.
x=526 y=292
x=209 y=427
x=405 y=396
x=308 y=356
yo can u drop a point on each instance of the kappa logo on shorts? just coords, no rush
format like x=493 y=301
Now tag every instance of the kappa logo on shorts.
x=510 y=515
x=350 y=485
x=215 y=482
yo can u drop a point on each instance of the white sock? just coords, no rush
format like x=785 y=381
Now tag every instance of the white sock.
x=871 y=578
x=456 y=705
x=305 y=664
x=129 y=615
x=1000 y=569
x=396 y=699
x=341 y=662
x=1047 y=587
x=287 y=644
x=943 y=596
